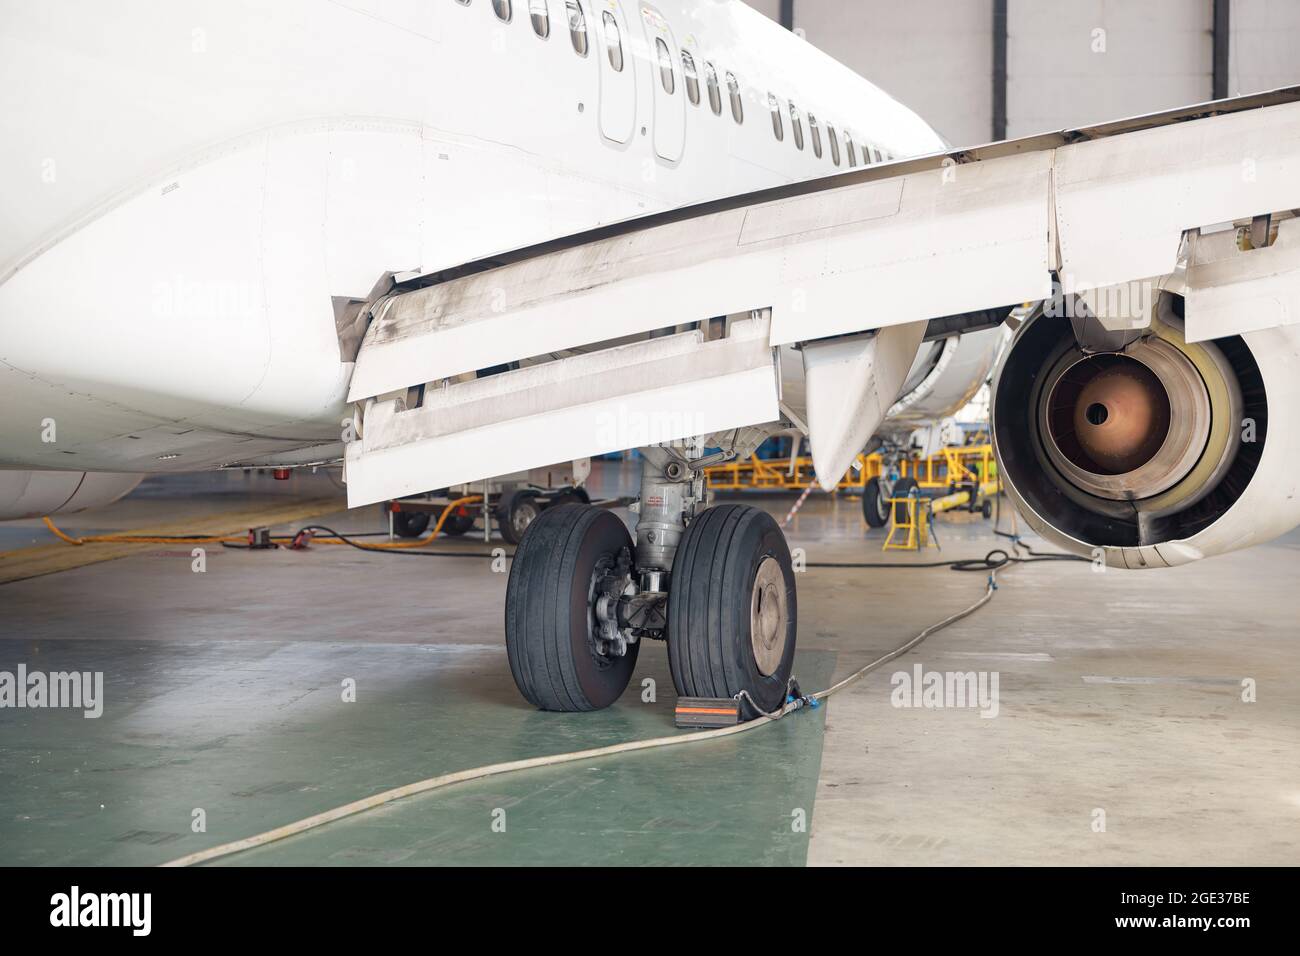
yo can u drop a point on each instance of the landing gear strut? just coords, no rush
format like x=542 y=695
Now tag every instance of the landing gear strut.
x=716 y=583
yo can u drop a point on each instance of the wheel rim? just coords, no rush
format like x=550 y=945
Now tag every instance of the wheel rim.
x=882 y=508
x=768 y=616
x=522 y=517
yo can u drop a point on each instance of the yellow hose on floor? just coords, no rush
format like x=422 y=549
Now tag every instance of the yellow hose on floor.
x=137 y=539
x=203 y=539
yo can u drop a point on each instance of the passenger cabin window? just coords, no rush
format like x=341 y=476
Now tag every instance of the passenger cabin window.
x=502 y=8
x=778 y=130
x=737 y=108
x=850 y=149
x=541 y=18
x=715 y=95
x=835 y=144
x=796 y=124
x=613 y=42
x=816 y=135
x=577 y=28
x=666 y=75
x=692 y=78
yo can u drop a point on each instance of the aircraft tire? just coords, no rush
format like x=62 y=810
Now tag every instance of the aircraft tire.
x=902 y=488
x=874 y=509
x=732 y=612
x=553 y=653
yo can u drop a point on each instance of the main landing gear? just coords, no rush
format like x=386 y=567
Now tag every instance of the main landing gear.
x=716 y=583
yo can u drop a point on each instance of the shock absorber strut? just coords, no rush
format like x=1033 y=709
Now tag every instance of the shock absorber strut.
x=671 y=490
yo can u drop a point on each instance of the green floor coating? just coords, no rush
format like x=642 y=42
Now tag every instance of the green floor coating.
x=257 y=735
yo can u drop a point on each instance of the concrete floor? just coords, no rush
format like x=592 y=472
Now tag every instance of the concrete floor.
x=1119 y=693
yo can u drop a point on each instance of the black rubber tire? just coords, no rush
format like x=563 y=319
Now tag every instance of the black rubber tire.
x=458 y=523
x=874 y=509
x=547 y=604
x=410 y=524
x=508 y=510
x=710 y=651
x=571 y=496
x=902 y=488
x=986 y=509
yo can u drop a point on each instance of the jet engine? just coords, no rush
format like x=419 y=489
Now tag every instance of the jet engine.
x=34 y=494
x=1145 y=449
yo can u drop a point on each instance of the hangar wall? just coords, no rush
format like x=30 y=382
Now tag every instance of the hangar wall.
x=934 y=55
x=1263 y=41
x=1068 y=62
x=1086 y=61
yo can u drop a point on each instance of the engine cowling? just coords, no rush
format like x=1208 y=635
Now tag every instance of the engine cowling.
x=34 y=494
x=1156 y=453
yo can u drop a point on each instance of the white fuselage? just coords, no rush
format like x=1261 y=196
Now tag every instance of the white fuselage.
x=189 y=186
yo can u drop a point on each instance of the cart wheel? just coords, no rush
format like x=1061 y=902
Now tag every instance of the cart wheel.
x=410 y=524
x=986 y=509
x=458 y=522
x=516 y=512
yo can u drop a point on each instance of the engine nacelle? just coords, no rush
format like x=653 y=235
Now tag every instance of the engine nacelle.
x=34 y=494
x=1156 y=453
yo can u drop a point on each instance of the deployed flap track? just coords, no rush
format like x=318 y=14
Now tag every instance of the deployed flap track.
x=910 y=241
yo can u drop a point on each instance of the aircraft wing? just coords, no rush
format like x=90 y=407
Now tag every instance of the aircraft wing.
x=886 y=250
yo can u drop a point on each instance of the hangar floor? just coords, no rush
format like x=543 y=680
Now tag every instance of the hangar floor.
x=1119 y=693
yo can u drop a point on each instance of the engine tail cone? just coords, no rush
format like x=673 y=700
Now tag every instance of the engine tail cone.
x=1109 y=415
x=1121 y=418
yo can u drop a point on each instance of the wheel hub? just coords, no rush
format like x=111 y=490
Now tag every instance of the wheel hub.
x=611 y=580
x=768 y=616
x=522 y=516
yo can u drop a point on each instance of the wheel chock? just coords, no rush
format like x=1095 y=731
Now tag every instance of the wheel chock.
x=704 y=712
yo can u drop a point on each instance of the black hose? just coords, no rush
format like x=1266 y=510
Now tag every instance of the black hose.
x=995 y=559
x=434 y=554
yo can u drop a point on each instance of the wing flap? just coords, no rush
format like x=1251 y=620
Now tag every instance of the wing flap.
x=655 y=391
